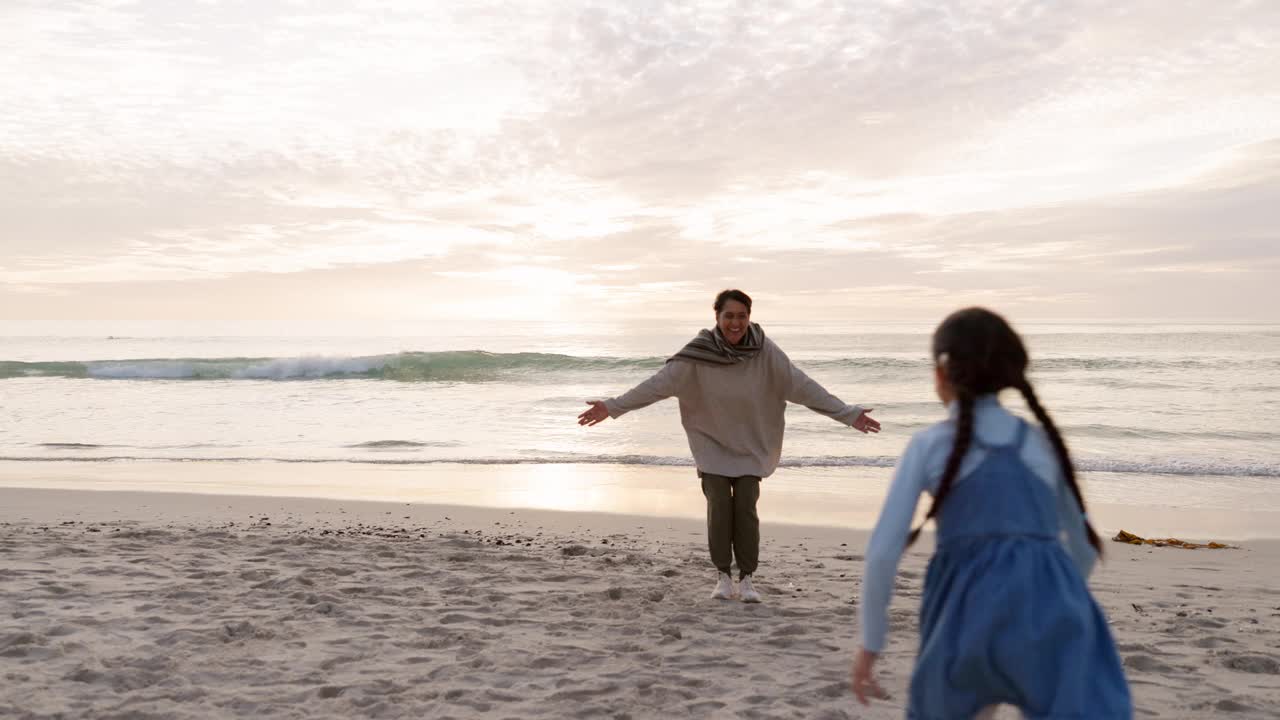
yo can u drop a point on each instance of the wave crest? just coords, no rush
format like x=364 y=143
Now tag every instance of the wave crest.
x=451 y=366
x=483 y=366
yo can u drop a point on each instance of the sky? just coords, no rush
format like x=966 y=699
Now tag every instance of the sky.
x=476 y=161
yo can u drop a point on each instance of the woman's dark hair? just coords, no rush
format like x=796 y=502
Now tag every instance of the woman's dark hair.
x=981 y=354
x=727 y=295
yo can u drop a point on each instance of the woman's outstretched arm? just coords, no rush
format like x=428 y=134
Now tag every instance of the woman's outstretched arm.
x=664 y=384
x=804 y=390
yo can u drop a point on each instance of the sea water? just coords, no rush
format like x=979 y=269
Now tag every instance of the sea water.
x=1154 y=414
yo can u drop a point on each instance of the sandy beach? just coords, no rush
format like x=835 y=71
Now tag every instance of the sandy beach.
x=141 y=605
x=370 y=359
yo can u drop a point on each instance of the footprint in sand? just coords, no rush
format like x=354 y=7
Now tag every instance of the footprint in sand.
x=790 y=630
x=833 y=690
x=244 y=630
x=1146 y=663
x=1211 y=641
x=684 y=619
x=1258 y=664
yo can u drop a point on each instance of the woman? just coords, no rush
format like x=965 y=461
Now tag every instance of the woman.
x=733 y=385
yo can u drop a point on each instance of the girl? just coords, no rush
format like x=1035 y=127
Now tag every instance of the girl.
x=1006 y=616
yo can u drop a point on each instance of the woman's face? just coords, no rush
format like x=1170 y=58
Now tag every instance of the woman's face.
x=733 y=319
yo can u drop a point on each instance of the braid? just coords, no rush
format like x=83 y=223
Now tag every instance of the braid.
x=964 y=437
x=1060 y=447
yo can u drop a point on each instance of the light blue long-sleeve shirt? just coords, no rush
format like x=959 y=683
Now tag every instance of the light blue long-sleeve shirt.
x=920 y=470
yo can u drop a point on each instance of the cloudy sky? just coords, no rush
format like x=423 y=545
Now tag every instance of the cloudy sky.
x=476 y=159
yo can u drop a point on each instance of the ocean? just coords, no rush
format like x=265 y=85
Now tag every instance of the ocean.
x=1177 y=416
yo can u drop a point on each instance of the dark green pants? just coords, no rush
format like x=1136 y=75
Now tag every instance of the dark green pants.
x=733 y=527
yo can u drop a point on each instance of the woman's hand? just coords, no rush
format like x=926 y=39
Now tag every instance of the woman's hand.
x=594 y=415
x=865 y=423
x=864 y=685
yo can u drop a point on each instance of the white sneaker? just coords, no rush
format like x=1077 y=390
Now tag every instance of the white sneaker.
x=724 y=588
x=746 y=592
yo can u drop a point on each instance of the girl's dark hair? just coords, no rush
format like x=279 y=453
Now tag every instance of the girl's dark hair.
x=726 y=295
x=981 y=354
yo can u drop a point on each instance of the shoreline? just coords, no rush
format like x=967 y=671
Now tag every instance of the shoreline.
x=808 y=498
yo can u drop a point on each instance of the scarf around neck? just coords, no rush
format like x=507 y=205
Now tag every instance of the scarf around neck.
x=711 y=347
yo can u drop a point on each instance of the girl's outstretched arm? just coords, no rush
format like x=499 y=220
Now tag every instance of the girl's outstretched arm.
x=889 y=540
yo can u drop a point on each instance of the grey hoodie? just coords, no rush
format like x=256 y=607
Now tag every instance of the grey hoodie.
x=733 y=414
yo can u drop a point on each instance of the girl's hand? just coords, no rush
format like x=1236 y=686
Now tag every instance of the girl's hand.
x=863 y=683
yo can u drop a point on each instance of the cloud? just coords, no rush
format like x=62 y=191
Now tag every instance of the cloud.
x=692 y=101
x=645 y=151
